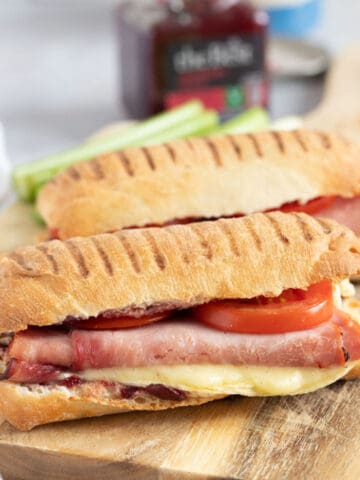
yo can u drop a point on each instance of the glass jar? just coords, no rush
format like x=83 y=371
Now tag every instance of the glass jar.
x=176 y=50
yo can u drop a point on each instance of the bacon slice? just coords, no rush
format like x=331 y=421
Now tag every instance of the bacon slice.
x=42 y=346
x=345 y=211
x=186 y=342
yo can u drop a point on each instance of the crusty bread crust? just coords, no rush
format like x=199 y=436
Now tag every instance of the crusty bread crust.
x=182 y=265
x=25 y=407
x=201 y=177
x=354 y=373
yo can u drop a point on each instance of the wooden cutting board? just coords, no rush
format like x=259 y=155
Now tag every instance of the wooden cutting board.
x=314 y=436
x=339 y=110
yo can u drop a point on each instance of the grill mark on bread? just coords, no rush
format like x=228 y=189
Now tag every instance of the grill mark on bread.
x=326 y=228
x=325 y=140
x=300 y=141
x=125 y=162
x=51 y=259
x=278 y=140
x=304 y=227
x=170 y=150
x=133 y=258
x=255 y=143
x=102 y=254
x=224 y=227
x=73 y=173
x=19 y=259
x=159 y=258
x=251 y=229
x=235 y=146
x=77 y=255
x=203 y=242
x=277 y=228
x=214 y=151
x=180 y=246
x=97 y=168
x=149 y=157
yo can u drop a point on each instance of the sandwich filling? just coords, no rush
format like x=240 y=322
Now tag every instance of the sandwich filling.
x=343 y=210
x=297 y=342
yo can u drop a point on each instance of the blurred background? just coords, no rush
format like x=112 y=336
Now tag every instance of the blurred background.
x=61 y=70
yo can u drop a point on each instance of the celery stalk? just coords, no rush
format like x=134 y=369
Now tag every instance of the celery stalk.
x=28 y=177
x=252 y=120
x=196 y=126
x=37 y=217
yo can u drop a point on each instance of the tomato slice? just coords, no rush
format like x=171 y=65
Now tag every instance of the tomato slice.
x=311 y=207
x=115 y=323
x=293 y=310
x=53 y=234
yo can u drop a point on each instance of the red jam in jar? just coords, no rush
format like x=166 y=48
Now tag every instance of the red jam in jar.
x=176 y=50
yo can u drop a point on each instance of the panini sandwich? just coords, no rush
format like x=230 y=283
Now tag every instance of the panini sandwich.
x=206 y=178
x=156 y=318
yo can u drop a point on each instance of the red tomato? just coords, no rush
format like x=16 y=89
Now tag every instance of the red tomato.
x=53 y=234
x=293 y=310
x=114 y=323
x=311 y=207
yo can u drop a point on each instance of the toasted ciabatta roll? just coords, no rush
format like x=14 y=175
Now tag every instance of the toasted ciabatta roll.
x=204 y=178
x=198 y=295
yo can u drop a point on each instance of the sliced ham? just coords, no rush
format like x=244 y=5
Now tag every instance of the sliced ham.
x=350 y=331
x=42 y=346
x=176 y=342
x=345 y=211
x=186 y=342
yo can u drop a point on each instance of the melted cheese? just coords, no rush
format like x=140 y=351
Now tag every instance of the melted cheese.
x=343 y=290
x=343 y=295
x=352 y=307
x=239 y=380
x=225 y=379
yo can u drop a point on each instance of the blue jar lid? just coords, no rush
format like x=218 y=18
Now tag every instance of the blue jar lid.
x=291 y=17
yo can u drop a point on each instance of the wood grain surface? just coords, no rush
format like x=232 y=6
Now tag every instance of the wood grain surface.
x=314 y=436
x=18 y=228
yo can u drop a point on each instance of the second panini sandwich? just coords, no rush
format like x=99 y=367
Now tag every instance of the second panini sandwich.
x=206 y=178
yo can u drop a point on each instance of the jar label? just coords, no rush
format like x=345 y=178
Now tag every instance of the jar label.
x=226 y=73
